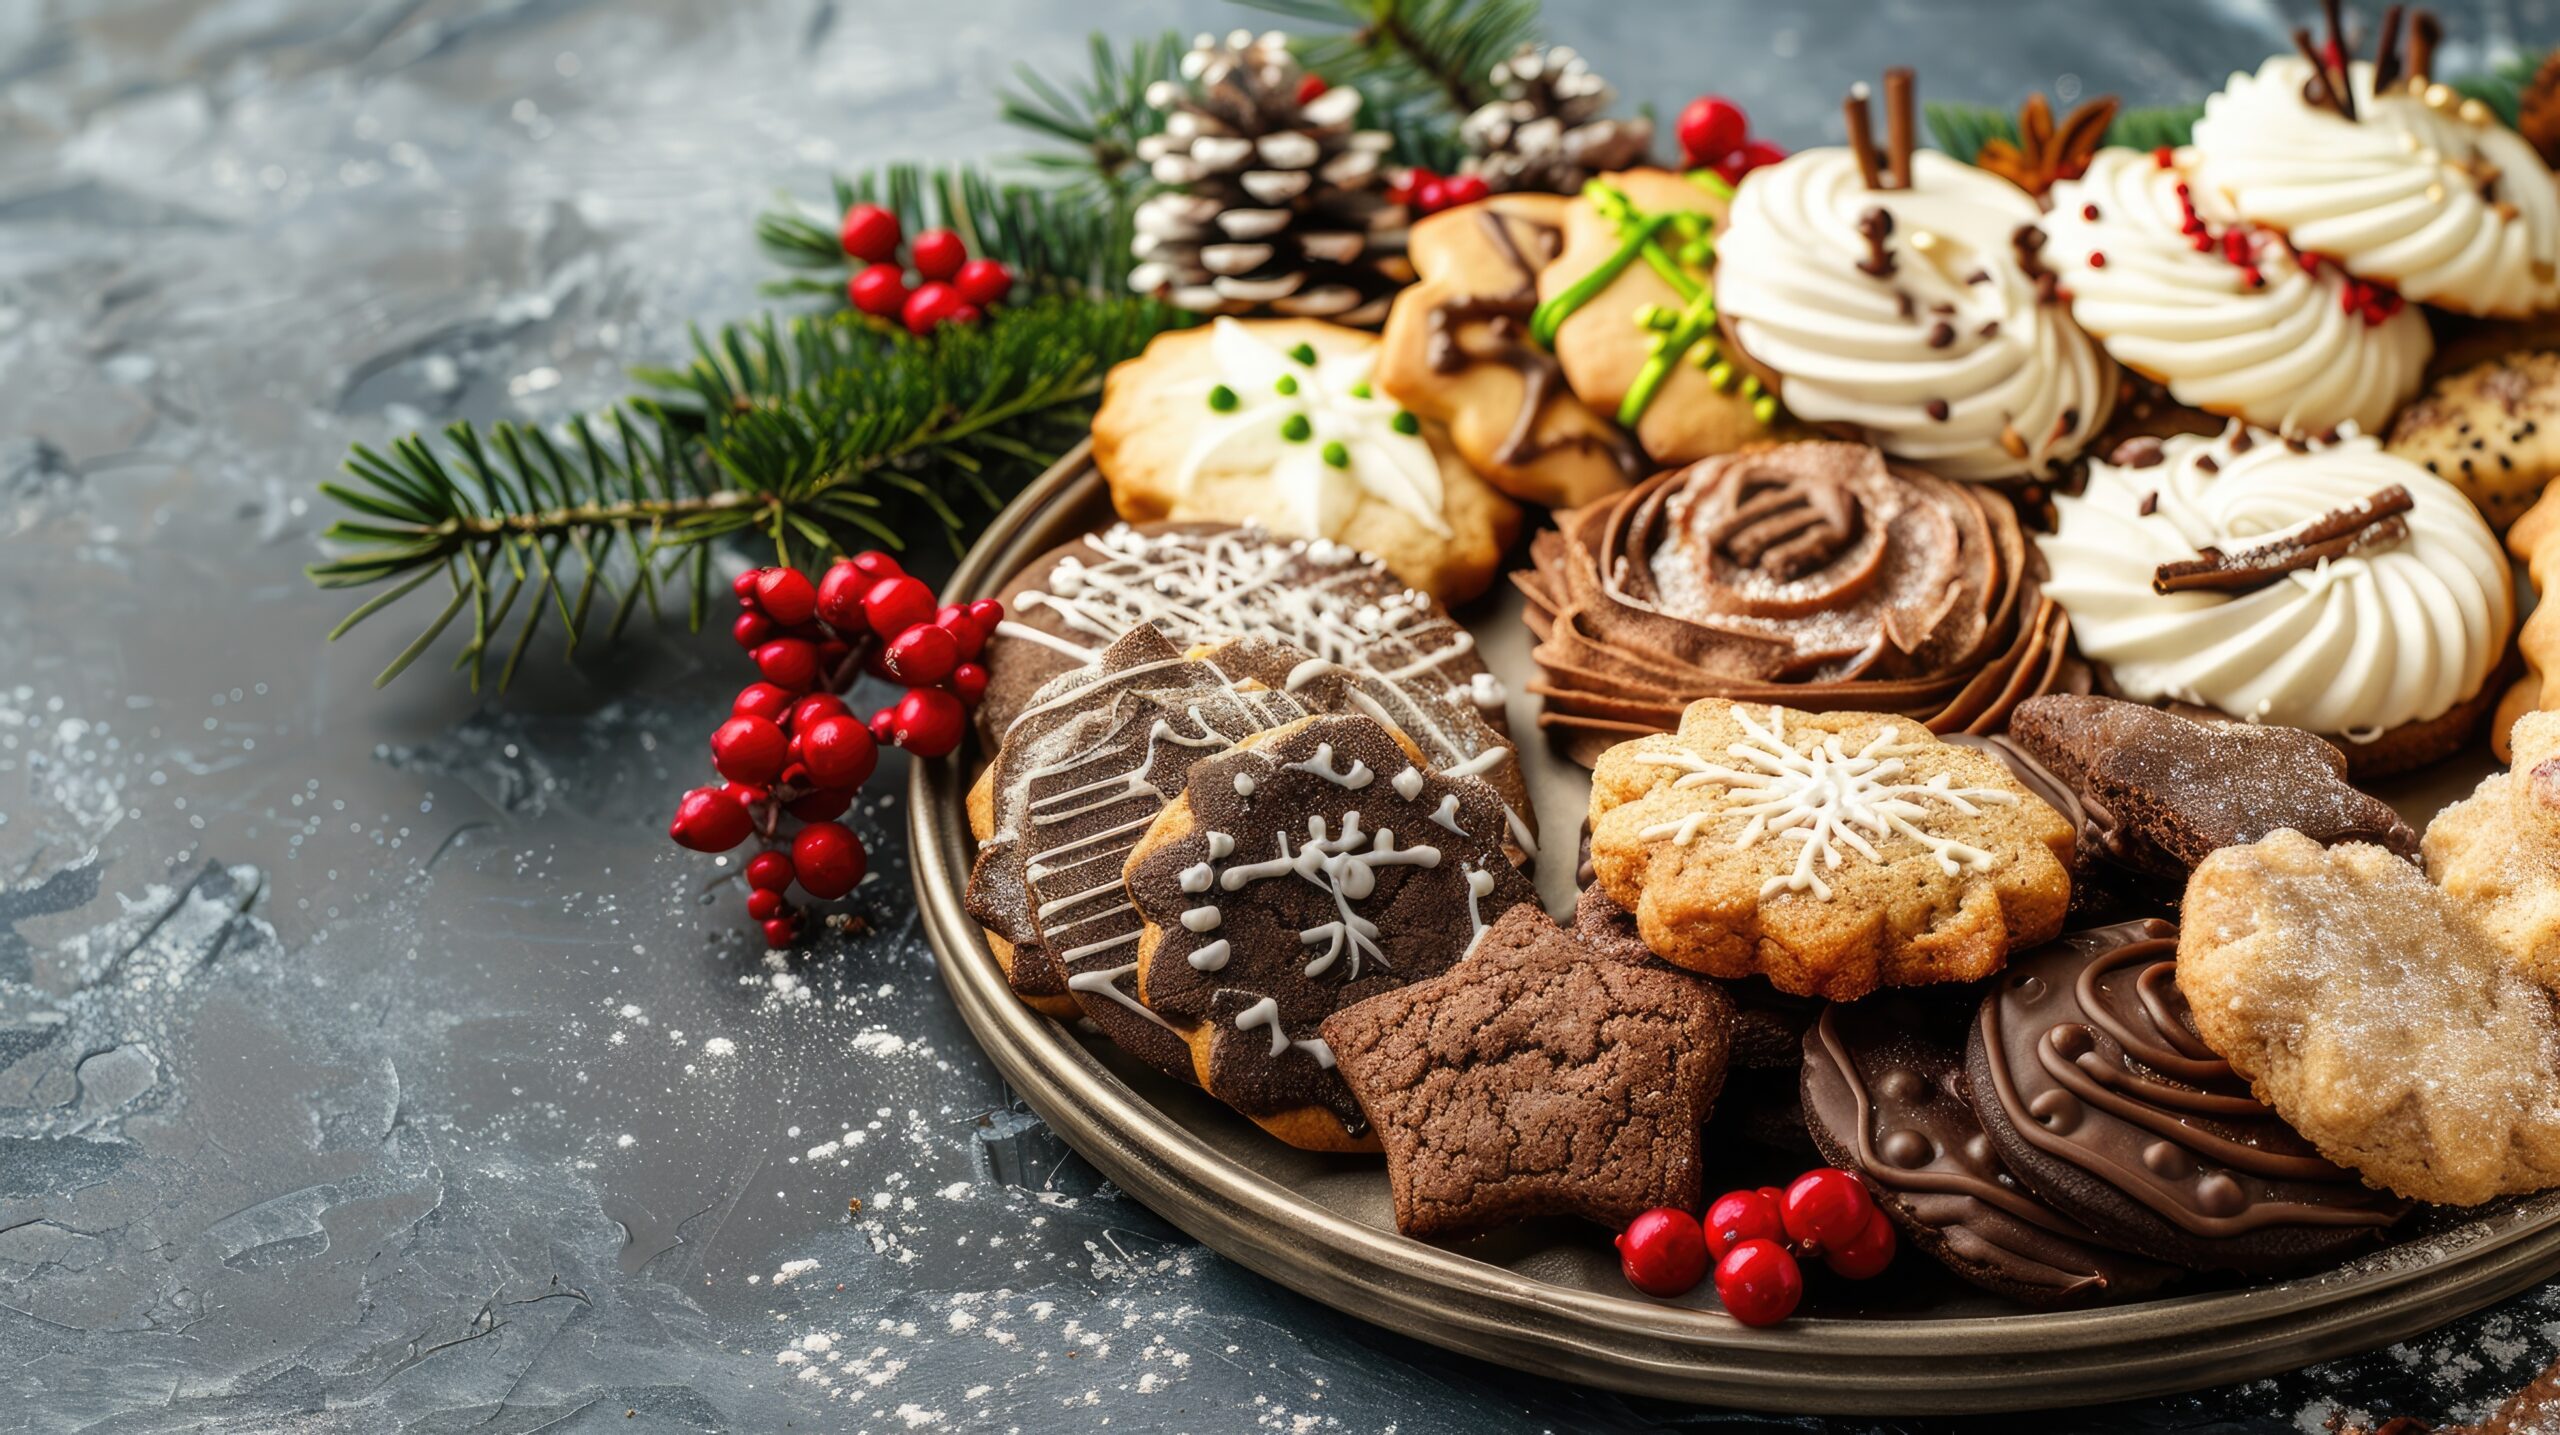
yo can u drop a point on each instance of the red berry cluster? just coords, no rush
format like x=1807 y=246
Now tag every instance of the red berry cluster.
x=1755 y=1240
x=950 y=287
x=1425 y=192
x=1715 y=134
x=791 y=748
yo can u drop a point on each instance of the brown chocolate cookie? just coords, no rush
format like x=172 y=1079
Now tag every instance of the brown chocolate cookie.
x=1768 y=1024
x=1309 y=868
x=1884 y=1096
x=2086 y=1070
x=1531 y=1080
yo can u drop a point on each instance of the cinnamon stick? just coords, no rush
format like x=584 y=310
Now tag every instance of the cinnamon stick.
x=1862 y=139
x=1899 y=129
x=2372 y=523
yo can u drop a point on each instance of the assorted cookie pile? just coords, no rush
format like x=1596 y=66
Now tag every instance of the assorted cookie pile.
x=1978 y=594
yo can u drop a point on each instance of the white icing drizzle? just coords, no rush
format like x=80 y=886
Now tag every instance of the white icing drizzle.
x=1105 y=982
x=1447 y=815
x=1196 y=877
x=1357 y=776
x=1220 y=846
x=1210 y=956
x=1823 y=798
x=1479 y=887
x=1244 y=784
x=1408 y=783
x=1202 y=919
x=1266 y=1012
x=1345 y=865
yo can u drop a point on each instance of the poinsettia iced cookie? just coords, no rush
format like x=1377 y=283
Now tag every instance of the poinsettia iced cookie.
x=1275 y=421
x=1830 y=852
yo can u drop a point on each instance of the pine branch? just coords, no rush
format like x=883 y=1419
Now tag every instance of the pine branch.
x=1099 y=119
x=1961 y=129
x=810 y=436
x=1057 y=241
x=2502 y=88
x=1401 y=52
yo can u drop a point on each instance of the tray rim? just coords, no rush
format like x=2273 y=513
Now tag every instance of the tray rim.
x=1813 y=1365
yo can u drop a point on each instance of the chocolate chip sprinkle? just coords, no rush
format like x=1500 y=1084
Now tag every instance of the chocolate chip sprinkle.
x=1941 y=334
x=1936 y=409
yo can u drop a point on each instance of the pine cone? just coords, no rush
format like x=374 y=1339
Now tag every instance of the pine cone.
x=1546 y=132
x=1272 y=200
x=2538 y=110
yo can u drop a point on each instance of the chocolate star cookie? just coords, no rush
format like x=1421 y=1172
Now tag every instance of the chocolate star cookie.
x=1532 y=1080
x=2086 y=1070
x=1311 y=867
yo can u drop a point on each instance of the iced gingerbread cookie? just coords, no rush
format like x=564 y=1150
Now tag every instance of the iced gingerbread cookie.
x=2535 y=541
x=1457 y=351
x=2496 y=851
x=2481 y=430
x=1532 y=1080
x=1833 y=853
x=1276 y=421
x=2377 y=1015
x=1308 y=869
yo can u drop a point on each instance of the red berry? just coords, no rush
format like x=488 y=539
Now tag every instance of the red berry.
x=928 y=722
x=966 y=314
x=813 y=707
x=986 y=613
x=749 y=749
x=1662 y=1252
x=1864 y=1256
x=768 y=872
x=954 y=619
x=871 y=233
x=828 y=858
x=1431 y=195
x=1740 y=1216
x=1759 y=1283
x=824 y=804
x=762 y=700
x=751 y=630
x=780 y=932
x=747 y=794
x=792 y=662
x=788 y=596
x=893 y=605
x=1460 y=189
x=744 y=585
x=1758 y=154
x=938 y=253
x=969 y=683
x=764 y=904
x=884 y=726
x=840 y=595
x=710 y=820
x=875 y=565
x=926 y=308
x=839 y=752
x=1825 y=1208
x=1710 y=128
x=983 y=282
x=1311 y=86
x=922 y=655
x=880 y=291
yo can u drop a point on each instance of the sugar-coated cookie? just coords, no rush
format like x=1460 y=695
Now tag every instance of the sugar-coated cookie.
x=1276 y=421
x=2100 y=1097
x=1832 y=853
x=1309 y=868
x=2489 y=431
x=2377 y=1016
x=1532 y=1080
x=1457 y=351
x=2497 y=852
x=1768 y=1024
x=2535 y=542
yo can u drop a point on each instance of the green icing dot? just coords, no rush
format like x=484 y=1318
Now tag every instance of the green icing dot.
x=1405 y=422
x=1720 y=374
x=1304 y=353
x=1222 y=398
x=1296 y=429
x=1336 y=454
x=1765 y=409
x=1285 y=384
x=1360 y=390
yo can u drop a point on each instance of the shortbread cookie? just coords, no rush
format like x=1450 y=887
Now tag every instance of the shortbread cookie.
x=1832 y=853
x=1082 y=773
x=1310 y=868
x=2327 y=586
x=2097 y=1093
x=2483 y=431
x=1885 y=1097
x=2497 y=852
x=2377 y=1015
x=1275 y=421
x=1530 y=1080
x=1629 y=307
x=1457 y=351
x=2535 y=541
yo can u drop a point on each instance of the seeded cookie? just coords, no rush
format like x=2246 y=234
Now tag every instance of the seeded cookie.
x=2099 y=1095
x=2488 y=431
x=1832 y=853
x=1531 y=1080
x=1275 y=420
x=2495 y=852
x=1457 y=351
x=1885 y=1097
x=2377 y=1015
x=1309 y=868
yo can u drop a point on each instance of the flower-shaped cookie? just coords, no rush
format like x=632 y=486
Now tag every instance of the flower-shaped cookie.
x=1830 y=852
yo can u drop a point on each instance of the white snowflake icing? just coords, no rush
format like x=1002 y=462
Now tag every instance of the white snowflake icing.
x=1346 y=866
x=1824 y=799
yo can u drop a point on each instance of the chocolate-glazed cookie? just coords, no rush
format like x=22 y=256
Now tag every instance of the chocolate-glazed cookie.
x=1309 y=868
x=2087 y=1073
x=1884 y=1096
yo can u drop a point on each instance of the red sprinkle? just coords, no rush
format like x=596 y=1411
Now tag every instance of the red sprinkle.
x=2089 y=212
x=2097 y=260
x=2163 y=157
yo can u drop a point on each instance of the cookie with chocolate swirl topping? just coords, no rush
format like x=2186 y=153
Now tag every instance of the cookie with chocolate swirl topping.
x=2087 y=1072
x=1813 y=575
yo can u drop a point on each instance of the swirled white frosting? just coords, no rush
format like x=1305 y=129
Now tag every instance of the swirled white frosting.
x=2285 y=350
x=2022 y=386
x=1347 y=444
x=2425 y=191
x=2393 y=634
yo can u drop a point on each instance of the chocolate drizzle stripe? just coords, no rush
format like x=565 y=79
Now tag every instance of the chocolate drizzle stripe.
x=2190 y=1061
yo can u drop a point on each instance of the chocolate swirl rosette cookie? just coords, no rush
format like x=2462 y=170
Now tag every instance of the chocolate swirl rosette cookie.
x=1310 y=868
x=1815 y=575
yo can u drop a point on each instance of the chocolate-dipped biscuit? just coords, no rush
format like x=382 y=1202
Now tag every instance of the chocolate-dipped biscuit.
x=2087 y=1073
x=1884 y=1096
x=1307 y=869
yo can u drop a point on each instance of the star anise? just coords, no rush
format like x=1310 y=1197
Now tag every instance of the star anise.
x=2044 y=151
x=2538 y=110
